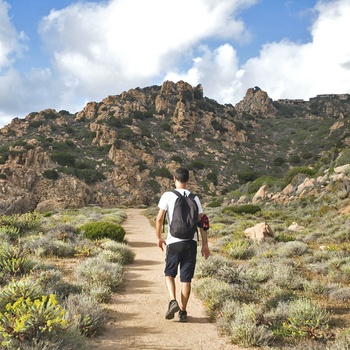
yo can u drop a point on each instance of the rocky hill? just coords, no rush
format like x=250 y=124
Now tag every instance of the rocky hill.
x=123 y=150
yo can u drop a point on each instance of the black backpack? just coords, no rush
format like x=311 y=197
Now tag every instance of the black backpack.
x=185 y=216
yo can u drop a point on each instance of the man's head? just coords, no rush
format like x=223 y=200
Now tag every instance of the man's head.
x=182 y=175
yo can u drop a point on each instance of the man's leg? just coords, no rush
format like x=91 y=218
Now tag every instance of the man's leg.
x=173 y=307
x=185 y=295
x=170 y=284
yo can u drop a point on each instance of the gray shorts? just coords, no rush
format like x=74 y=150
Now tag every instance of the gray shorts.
x=181 y=254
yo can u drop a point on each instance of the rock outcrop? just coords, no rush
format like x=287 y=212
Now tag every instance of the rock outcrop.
x=123 y=150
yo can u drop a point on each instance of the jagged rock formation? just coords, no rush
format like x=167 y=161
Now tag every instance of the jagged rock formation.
x=123 y=150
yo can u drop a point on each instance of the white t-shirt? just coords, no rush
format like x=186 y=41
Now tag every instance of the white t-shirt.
x=167 y=203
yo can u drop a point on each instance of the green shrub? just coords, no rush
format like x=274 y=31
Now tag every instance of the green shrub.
x=294 y=159
x=162 y=172
x=214 y=292
x=196 y=164
x=299 y=170
x=246 y=329
x=165 y=126
x=23 y=288
x=305 y=318
x=246 y=175
x=28 y=318
x=218 y=126
x=165 y=146
x=97 y=271
x=343 y=158
x=238 y=249
x=10 y=232
x=90 y=176
x=291 y=248
x=24 y=222
x=51 y=174
x=123 y=253
x=87 y=314
x=215 y=203
x=176 y=159
x=213 y=177
x=279 y=161
x=13 y=260
x=103 y=229
x=257 y=183
x=242 y=209
x=125 y=134
x=63 y=158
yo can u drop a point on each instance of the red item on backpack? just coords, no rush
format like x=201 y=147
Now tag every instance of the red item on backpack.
x=205 y=222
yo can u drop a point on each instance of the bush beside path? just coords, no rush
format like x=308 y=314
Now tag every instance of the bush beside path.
x=137 y=313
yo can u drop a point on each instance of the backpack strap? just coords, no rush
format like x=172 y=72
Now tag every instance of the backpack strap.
x=179 y=195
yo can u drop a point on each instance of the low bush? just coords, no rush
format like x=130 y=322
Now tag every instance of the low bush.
x=305 y=318
x=214 y=292
x=242 y=209
x=215 y=203
x=98 y=272
x=103 y=229
x=28 y=318
x=238 y=249
x=23 y=288
x=246 y=328
x=118 y=252
x=14 y=261
x=88 y=315
x=51 y=174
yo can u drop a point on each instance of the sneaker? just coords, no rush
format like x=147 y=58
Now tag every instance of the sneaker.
x=172 y=310
x=183 y=316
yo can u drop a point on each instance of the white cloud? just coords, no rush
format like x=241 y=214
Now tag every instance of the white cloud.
x=285 y=69
x=216 y=70
x=9 y=39
x=290 y=70
x=99 y=49
x=128 y=43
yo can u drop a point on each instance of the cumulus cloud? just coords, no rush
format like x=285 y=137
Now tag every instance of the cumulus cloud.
x=284 y=69
x=127 y=43
x=10 y=40
x=289 y=70
x=98 y=49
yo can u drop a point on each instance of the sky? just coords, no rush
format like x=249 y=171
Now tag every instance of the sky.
x=62 y=54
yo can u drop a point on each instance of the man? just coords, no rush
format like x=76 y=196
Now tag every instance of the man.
x=179 y=252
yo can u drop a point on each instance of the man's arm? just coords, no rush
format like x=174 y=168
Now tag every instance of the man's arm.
x=159 y=225
x=204 y=235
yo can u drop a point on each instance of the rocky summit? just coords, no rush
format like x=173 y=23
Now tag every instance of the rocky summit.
x=123 y=150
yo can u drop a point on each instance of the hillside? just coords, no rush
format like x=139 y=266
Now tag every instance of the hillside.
x=122 y=150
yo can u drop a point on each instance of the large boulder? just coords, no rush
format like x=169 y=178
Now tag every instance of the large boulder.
x=259 y=232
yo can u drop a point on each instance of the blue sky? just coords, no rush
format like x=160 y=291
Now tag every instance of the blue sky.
x=62 y=54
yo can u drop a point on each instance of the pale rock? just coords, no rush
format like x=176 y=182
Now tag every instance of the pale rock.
x=259 y=232
x=295 y=227
x=260 y=194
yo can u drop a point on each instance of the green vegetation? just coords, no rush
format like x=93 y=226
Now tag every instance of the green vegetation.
x=242 y=209
x=280 y=293
x=38 y=310
x=101 y=229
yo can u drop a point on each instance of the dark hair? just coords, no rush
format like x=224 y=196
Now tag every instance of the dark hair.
x=182 y=175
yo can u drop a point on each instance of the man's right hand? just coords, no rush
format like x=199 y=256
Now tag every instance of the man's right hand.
x=161 y=242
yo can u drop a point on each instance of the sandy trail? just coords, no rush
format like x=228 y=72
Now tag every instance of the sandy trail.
x=137 y=313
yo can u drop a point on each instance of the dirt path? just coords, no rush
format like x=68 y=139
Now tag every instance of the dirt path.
x=137 y=313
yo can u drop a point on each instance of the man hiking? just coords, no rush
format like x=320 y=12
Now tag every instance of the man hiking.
x=184 y=212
